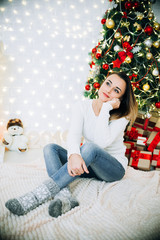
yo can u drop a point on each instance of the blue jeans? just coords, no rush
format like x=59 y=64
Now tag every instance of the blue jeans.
x=101 y=165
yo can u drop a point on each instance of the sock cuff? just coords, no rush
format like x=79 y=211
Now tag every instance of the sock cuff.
x=52 y=187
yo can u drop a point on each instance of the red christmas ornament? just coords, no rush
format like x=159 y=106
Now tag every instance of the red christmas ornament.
x=148 y=30
x=103 y=21
x=98 y=55
x=124 y=15
x=105 y=66
x=128 y=5
x=94 y=50
x=87 y=87
x=136 y=4
x=157 y=104
x=96 y=85
x=117 y=63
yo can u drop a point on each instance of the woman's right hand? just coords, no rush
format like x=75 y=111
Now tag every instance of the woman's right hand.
x=115 y=102
x=76 y=165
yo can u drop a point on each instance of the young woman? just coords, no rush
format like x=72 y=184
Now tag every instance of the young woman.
x=102 y=122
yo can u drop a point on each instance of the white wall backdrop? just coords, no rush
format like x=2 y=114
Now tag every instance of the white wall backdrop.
x=44 y=47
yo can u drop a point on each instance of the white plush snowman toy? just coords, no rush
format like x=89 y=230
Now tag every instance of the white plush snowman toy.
x=14 y=139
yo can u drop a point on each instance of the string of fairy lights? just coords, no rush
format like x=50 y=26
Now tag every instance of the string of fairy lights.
x=44 y=59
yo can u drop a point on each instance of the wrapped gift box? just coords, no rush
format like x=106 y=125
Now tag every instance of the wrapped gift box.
x=140 y=159
x=153 y=141
x=147 y=124
x=133 y=133
x=129 y=147
x=156 y=158
x=141 y=143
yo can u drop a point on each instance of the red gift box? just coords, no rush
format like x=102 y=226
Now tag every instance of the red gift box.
x=141 y=143
x=140 y=159
x=156 y=158
x=133 y=133
x=129 y=147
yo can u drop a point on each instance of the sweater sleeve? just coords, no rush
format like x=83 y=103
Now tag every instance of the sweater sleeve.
x=75 y=130
x=105 y=132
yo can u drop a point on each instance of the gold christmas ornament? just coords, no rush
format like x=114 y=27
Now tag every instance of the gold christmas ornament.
x=127 y=38
x=148 y=42
x=117 y=35
x=146 y=87
x=99 y=50
x=149 y=55
x=155 y=72
x=150 y=15
x=156 y=44
x=127 y=59
x=110 y=23
x=125 y=24
x=156 y=26
x=140 y=54
x=140 y=16
x=138 y=26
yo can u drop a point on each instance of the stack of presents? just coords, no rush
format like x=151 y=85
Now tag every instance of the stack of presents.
x=142 y=142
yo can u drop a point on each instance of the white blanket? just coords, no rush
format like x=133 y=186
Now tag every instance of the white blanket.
x=123 y=210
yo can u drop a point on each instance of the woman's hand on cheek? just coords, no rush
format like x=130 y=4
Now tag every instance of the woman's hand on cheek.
x=115 y=102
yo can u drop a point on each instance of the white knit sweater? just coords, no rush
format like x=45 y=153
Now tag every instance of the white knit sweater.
x=97 y=129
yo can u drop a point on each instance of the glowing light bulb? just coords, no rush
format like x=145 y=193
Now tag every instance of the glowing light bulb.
x=7 y=20
x=20 y=70
x=2 y=9
x=37 y=6
x=12 y=100
x=11 y=79
x=61 y=96
x=4 y=89
x=24 y=3
x=27 y=80
x=21 y=29
x=12 y=38
x=6 y=112
x=45 y=44
x=15 y=12
x=18 y=21
x=72 y=6
x=25 y=101
x=19 y=90
x=27 y=14
x=30 y=113
x=35 y=71
x=39 y=104
x=67 y=57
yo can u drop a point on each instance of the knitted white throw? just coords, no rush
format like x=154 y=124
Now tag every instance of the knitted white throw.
x=124 y=210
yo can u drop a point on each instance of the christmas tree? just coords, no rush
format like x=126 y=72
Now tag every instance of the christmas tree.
x=130 y=43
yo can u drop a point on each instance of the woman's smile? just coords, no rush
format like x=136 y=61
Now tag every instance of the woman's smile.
x=105 y=95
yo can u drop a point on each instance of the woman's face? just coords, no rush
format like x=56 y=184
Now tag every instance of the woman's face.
x=112 y=87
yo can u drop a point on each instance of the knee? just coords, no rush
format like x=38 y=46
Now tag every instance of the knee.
x=49 y=148
x=88 y=148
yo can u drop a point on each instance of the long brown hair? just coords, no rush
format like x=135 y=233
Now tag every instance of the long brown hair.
x=128 y=107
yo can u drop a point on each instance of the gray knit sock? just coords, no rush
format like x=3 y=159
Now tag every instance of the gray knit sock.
x=22 y=205
x=62 y=203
